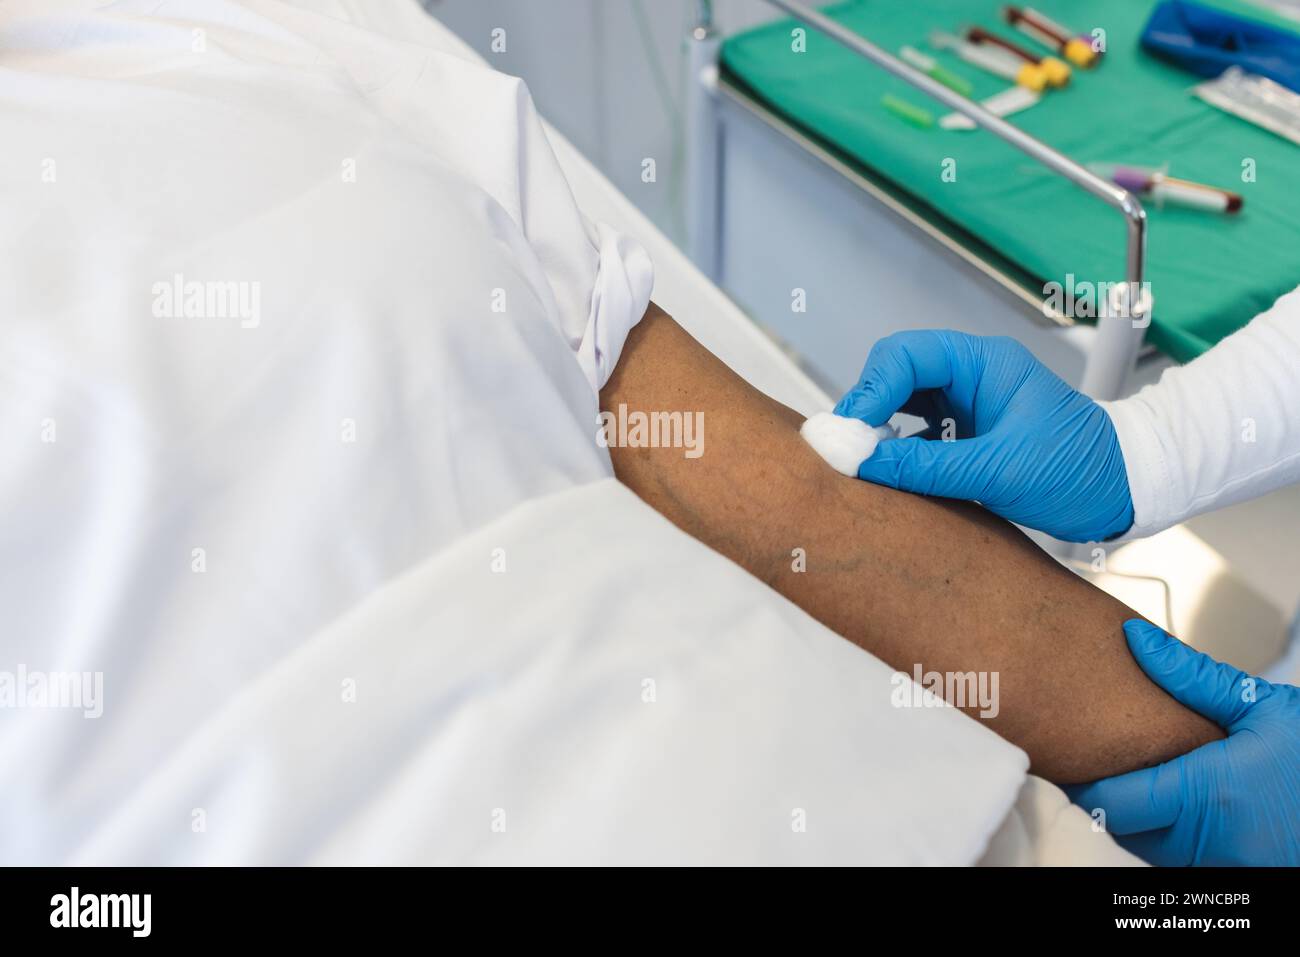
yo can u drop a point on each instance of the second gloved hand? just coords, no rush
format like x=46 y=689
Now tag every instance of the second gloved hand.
x=1231 y=802
x=1004 y=430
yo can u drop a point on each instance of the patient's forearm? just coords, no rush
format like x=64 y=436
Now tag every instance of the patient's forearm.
x=916 y=581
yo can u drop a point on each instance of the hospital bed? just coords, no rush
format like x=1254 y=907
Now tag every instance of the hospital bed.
x=794 y=169
x=348 y=680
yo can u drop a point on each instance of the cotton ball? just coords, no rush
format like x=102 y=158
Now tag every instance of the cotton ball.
x=843 y=442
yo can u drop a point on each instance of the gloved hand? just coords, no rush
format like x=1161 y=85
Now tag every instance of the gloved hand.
x=1235 y=801
x=1026 y=445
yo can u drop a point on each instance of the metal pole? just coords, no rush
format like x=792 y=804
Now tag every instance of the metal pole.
x=703 y=136
x=1118 y=335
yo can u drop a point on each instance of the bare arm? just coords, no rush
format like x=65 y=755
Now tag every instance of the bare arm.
x=915 y=581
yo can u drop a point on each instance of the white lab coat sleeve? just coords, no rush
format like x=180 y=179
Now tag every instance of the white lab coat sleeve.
x=1222 y=429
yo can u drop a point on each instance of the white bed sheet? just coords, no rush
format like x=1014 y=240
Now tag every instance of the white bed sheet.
x=496 y=720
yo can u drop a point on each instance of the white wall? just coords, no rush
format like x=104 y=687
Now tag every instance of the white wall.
x=610 y=74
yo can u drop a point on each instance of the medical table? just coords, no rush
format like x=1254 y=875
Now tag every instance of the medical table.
x=1022 y=211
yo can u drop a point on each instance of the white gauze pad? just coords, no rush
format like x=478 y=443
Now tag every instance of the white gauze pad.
x=843 y=442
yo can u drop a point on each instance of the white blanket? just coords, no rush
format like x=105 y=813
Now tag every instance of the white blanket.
x=301 y=335
x=626 y=698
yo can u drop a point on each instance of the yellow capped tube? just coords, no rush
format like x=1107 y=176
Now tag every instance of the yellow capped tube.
x=1056 y=71
x=1080 y=52
x=1032 y=77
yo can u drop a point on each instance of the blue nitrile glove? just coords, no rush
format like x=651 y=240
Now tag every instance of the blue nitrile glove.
x=1026 y=445
x=1235 y=801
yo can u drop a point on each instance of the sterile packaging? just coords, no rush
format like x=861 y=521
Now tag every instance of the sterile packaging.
x=1255 y=99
